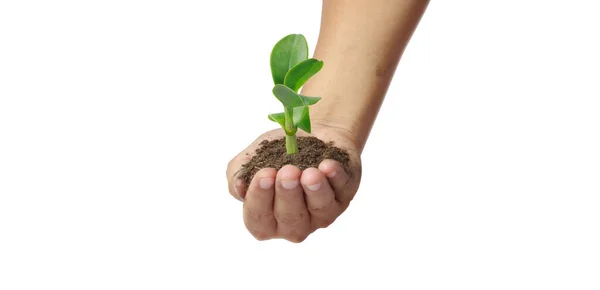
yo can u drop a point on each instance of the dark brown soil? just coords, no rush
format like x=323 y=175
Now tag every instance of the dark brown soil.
x=311 y=151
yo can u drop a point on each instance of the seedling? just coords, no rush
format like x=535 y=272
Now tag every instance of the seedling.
x=291 y=68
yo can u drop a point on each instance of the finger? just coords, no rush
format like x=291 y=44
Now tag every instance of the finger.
x=258 y=206
x=320 y=198
x=293 y=221
x=338 y=179
x=237 y=187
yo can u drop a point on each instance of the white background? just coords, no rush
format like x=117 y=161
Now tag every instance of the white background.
x=118 y=118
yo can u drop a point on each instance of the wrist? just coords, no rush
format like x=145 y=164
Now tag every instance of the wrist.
x=351 y=111
x=328 y=130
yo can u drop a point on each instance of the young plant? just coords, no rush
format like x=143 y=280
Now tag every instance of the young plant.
x=291 y=68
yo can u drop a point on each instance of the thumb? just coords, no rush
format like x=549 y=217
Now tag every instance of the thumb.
x=237 y=187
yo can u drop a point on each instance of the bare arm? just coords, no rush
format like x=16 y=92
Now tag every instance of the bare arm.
x=361 y=43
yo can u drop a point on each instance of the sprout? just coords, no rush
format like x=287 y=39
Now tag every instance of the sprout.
x=291 y=68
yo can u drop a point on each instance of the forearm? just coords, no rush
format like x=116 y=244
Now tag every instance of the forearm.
x=361 y=43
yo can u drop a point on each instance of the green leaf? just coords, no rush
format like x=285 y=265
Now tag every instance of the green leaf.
x=286 y=53
x=300 y=73
x=309 y=101
x=279 y=118
x=287 y=97
x=302 y=118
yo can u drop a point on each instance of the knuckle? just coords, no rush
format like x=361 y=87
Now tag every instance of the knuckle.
x=262 y=194
x=289 y=197
x=296 y=237
x=322 y=209
x=290 y=219
x=261 y=236
x=258 y=216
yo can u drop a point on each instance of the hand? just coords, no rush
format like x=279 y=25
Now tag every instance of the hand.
x=291 y=204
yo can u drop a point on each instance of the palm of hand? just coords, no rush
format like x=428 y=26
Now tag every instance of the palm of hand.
x=291 y=203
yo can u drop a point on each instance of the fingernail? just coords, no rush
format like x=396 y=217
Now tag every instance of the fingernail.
x=314 y=187
x=266 y=183
x=332 y=174
x=289 y=184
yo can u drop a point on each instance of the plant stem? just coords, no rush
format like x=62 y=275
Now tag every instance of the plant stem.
x=291 y=144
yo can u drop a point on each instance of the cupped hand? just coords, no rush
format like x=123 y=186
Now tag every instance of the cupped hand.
x=290 y=203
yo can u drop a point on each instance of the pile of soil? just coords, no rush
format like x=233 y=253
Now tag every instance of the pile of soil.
x=311 y=152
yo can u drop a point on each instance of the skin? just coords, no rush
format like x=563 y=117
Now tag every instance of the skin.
x=291 y=204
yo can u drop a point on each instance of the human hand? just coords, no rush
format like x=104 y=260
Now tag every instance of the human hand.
x=290 y=203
